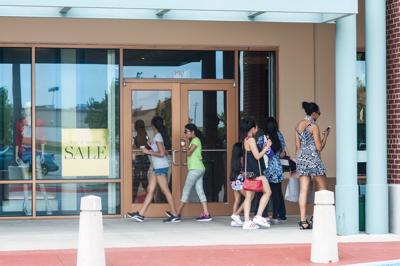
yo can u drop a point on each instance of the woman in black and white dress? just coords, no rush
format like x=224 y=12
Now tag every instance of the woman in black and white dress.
x=308 y=160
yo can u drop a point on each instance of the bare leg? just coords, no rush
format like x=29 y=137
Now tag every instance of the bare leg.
x=321 y=183
x=304 y=185
x=180 y=208
x=151 y=188
x=236 y=195
x=265 y=197
x=240 y=210
x=163 y=183
x=205 y=209
x=247 y=205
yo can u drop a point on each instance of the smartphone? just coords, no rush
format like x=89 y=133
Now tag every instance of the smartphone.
x=328 y=129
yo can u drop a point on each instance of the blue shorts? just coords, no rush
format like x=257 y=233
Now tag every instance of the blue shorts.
x=161 y=171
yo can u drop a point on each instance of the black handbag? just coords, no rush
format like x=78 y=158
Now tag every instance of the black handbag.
x=288 y=165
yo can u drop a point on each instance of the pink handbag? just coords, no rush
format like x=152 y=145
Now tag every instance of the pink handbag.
x=251 y=184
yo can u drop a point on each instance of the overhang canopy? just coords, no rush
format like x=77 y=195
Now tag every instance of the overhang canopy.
x=294 y=11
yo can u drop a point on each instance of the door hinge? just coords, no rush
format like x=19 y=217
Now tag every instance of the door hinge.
x=234 y=84
x=124 y=84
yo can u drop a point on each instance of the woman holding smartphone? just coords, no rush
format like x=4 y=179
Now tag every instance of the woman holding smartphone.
x=309 y=145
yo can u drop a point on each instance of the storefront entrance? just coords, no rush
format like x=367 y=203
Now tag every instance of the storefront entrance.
x=211 y=106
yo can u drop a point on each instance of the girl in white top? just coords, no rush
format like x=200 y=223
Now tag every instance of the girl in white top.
x=159 y=146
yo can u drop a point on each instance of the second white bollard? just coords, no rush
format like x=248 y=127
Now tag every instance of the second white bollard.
x=324 y=247
x=91 y=239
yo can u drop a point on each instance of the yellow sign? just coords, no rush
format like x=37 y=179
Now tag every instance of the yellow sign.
x=85 y=152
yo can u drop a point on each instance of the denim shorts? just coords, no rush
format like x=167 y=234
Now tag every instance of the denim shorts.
x=161 y=171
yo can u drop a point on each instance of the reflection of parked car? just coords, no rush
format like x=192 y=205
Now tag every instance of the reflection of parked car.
x=7 y=158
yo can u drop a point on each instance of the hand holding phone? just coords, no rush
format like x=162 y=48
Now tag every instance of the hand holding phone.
x=327 y=130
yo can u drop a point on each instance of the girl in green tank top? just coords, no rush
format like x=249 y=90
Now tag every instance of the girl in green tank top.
x=196 y=171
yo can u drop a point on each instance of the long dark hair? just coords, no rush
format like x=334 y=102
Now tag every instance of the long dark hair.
x=246 y=124
x=197 y=132
x=158 y=123
x=310 y=107
x=271 y=129
x=237 y=154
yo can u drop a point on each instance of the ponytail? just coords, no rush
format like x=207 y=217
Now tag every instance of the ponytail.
x=158 y=123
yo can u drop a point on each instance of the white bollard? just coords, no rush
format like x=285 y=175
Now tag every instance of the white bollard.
x=91 y=239
x=324 y=247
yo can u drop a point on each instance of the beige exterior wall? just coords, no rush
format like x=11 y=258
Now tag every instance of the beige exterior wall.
x=306 y=53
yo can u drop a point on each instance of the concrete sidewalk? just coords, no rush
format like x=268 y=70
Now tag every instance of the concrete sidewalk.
x=125 y=233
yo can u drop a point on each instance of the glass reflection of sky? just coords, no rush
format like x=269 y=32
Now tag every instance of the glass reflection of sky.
x=76 y=82
x=192 y=70
x=196 y=104
x=148 y=100
x=6 y=80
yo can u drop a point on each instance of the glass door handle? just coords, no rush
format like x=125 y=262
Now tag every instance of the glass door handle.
x=185 y=154
x=174 y=157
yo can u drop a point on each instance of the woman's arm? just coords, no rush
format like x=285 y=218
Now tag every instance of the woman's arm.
x=319 y=144
x=254 y=149
x=191 y=149
x=161 y=150
x=297 y=140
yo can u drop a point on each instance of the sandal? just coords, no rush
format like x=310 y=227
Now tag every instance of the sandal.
x=305 y=225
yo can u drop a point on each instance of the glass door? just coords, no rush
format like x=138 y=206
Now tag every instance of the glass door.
x=145 y=101
x=210 y=106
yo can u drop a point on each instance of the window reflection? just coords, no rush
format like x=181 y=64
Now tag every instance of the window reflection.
x=15 y=104
x=64 y=199
x=77 y=112
x=361 y=111
x=178 y=64
x=15 y=199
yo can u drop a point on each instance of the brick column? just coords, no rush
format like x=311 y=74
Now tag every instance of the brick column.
x=393 y=111
x=393 y=89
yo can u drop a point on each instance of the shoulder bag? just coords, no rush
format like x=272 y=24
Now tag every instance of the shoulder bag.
x=251 y=184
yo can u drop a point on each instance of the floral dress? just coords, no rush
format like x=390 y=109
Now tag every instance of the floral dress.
x=308 y=160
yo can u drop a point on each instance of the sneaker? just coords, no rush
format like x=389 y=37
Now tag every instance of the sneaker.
x=274 y=221
x=172 y=219
x=282 y=221
x=169 y=214
x=204 y=218
x=236 y=219
x=235 y=224
x=250 y=225
x=261 y=221
x=135 y=216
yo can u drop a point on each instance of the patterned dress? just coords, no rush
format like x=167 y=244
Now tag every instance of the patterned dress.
x=274 y=171
x=308 y=159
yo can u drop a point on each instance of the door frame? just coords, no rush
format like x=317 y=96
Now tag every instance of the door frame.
x=178 y=88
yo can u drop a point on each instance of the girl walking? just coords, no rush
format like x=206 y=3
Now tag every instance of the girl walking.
x=159 y=146
x=196 y=171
